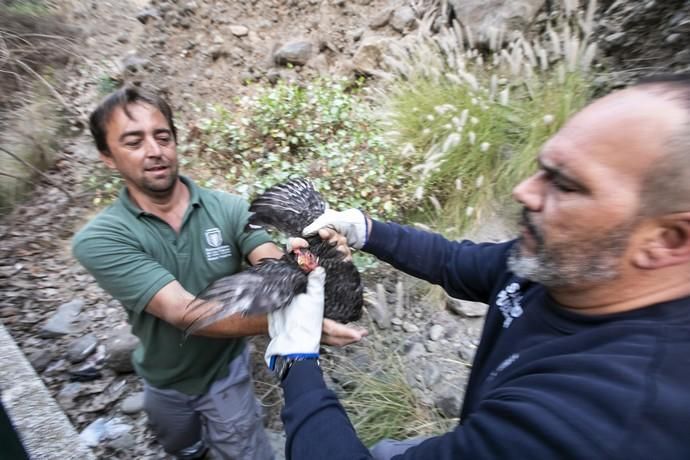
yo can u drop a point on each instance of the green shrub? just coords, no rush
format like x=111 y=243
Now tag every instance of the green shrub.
x=323 y=130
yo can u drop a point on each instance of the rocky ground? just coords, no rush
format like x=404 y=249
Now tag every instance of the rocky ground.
x=73 y=333
x=198 y=52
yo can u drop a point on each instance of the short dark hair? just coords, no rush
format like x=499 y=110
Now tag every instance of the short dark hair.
x=122 y=98
x=666 y=186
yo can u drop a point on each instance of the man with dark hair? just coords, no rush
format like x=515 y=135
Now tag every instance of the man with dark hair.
x=585 y=352
x=154 y=249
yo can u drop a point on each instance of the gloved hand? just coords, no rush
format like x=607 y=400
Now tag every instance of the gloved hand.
x=352 y=224
x=296 y=329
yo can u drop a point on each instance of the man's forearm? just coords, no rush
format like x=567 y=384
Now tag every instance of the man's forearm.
x=236 y=326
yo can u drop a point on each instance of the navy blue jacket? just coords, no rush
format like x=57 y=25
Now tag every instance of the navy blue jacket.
x=545 y=384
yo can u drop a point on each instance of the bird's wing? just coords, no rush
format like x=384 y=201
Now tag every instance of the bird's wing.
x=288 y=207
x=257 y=290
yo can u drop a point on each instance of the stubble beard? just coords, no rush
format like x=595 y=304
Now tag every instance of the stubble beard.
x=160 y=189
x=578 y=262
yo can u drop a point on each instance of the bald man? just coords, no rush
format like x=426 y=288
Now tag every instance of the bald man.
x=585 y=353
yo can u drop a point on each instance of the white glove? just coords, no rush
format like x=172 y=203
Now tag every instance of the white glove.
x=296 y=329
x=352 y=224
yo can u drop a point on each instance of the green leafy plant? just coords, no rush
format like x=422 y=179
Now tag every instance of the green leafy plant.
x=323 y=130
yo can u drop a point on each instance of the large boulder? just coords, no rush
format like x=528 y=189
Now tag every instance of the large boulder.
x=484 y=16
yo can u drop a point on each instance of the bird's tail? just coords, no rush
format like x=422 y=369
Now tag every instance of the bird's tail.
x=287 y=207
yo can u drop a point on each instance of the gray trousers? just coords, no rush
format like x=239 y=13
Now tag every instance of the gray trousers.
x=386 y=449
x=227 y=418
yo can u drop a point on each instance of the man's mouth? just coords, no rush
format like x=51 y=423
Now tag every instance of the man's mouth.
x=156 y=168
x=528 y=232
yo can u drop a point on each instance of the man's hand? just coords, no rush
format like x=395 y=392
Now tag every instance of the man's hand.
x=333 y=238
x=352 y=224
x=339 y=335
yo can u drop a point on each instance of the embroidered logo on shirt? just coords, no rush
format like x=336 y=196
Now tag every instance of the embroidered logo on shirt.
x=509 y=301
x=217 y=249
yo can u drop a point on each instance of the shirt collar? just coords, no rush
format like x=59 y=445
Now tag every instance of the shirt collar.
x=194 y=197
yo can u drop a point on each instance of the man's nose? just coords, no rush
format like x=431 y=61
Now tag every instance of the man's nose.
x=529 y=192
x=153 y=148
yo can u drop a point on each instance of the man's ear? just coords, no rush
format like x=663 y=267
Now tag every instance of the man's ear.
x=107 y=158
x=666 y=244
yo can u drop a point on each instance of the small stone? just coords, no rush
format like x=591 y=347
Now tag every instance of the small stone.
x=409 y=327
x=466 y=308
x=218 y=52
x=297 y=52
x=123 y=443
x=467 y=352
x=431 y=374
x=396 y=322
x=218 y=40
x=119 y=348
x=41 y=358
x=239 y=31
x=64 y=321
x=133 y=403
x=133 y=63
x=208 y=73
x=436 y=332
x=369 y=56
x=432 y=347
x=147 y=14
x=403 y=19
x=67 y=395
x=449 y=405
x=380 y=19
x=81 y=348
x=356 y=35
x=189 y=7
x=414 y=350
x=6 y=312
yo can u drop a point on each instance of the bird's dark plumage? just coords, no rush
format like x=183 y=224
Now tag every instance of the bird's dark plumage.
x=272 y=284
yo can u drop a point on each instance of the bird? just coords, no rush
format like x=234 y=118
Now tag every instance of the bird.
x=273 y=283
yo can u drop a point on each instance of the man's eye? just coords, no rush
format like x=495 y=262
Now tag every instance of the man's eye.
x=133 y=143
x=164 y=140
x=563 y=186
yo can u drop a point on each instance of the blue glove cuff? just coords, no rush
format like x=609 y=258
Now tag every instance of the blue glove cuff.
x=291 y=357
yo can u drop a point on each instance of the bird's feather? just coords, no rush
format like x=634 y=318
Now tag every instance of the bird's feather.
x=272 y=284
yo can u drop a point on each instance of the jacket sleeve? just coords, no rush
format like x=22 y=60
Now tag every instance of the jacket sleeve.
x=464 y=269
x=316 y=425
x=539 y=416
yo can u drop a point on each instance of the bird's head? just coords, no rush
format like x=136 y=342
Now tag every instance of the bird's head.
x=306 y=260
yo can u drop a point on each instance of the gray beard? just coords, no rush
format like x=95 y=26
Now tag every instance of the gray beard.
x=575 y=263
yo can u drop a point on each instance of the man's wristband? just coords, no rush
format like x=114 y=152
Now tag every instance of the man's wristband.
x=280 y=365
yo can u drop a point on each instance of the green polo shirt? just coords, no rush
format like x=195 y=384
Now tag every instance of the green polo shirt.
x=132 y=254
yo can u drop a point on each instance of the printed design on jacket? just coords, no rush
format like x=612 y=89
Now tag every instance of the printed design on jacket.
x=509 y=301
x=505 y=363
